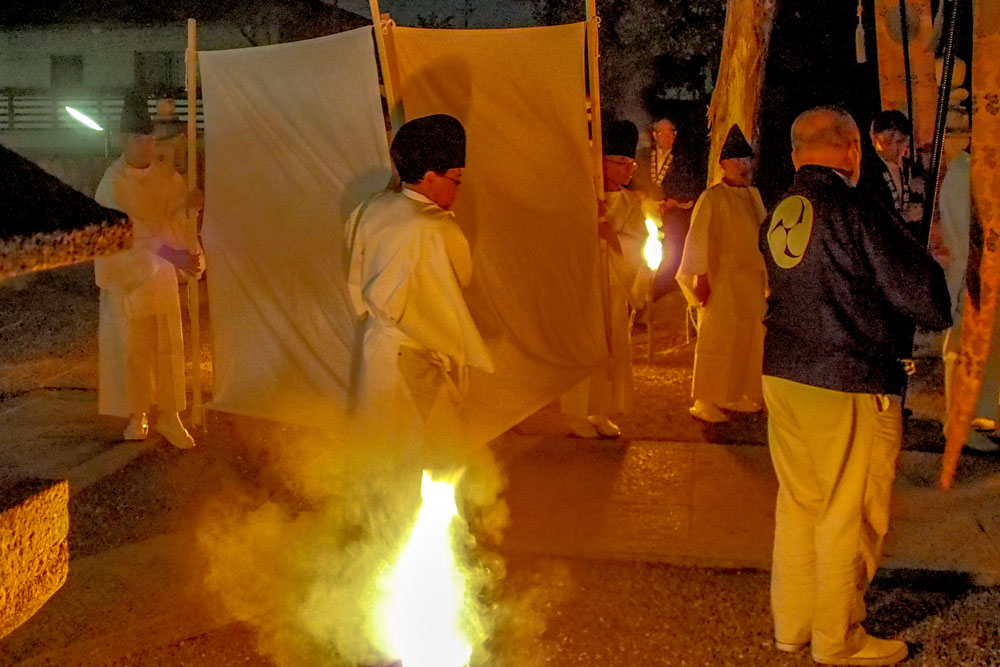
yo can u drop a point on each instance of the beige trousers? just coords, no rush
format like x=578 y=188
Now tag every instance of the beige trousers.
x=835 y=455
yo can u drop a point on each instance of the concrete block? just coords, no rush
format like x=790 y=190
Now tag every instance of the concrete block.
x=34 y=549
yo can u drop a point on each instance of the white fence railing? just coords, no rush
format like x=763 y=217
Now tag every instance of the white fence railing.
x=48 y=112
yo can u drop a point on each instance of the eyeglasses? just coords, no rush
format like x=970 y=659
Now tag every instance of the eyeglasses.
x=456 y=181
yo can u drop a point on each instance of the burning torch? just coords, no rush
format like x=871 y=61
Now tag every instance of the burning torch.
x=653 y=252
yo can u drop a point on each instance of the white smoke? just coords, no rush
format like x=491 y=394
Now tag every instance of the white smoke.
x=301 y=567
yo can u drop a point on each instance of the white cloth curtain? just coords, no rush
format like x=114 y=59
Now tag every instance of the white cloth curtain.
x=294 y=140
x=527 y=204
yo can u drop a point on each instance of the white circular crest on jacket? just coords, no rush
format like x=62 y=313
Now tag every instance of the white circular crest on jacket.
x=790 y=230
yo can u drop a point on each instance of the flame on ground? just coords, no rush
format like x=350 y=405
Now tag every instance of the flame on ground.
x=423 y=613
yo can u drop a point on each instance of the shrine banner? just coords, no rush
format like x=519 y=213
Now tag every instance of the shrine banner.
x=892 y=69
x=736 y=98
x=980 y=306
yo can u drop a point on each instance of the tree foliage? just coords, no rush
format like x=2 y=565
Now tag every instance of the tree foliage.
x=433 y=20
x=667 y=44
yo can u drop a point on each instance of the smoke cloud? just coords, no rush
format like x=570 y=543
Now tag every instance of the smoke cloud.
x=298 y=555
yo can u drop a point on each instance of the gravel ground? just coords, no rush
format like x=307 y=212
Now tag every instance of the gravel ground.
x=619 y=613
x=560 y=611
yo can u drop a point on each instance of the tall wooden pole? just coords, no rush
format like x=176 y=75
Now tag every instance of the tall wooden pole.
x=904 y=31
x=381 y=24
x=650 y=294
x=192 y=183
x=597 y=154
x=593 y=53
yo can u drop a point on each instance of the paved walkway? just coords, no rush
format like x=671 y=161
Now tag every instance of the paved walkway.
x=141 y=600
x=683 y=503
x=713 y=505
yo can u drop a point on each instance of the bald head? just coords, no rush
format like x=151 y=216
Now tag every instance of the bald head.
x=829 y=137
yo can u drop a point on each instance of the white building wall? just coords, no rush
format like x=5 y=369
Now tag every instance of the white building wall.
x=74 y=154
x=108 y=51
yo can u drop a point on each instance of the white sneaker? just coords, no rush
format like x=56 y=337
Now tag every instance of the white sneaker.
x=604 y=426
x=707 y=413
x=171 y=428
x=743 y=405
x=787 y=647
x=980 y=442
x=580 y=428
x=874 y=652
x=138 y=427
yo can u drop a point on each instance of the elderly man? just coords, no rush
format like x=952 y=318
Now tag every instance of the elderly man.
x=668 y=186
x=722 y=275
x=140 y=349
x=846 y=281
x=654 y=168
x=409 y=263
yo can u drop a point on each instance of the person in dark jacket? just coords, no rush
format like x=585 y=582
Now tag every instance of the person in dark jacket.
x=846 y=283
x=886 y=169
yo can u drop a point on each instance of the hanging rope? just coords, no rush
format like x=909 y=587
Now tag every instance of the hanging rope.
x=940 y=122
x=904 y=29
x=859 y=40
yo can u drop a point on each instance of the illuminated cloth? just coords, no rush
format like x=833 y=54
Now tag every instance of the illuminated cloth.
x=979 y=313
x=736 y=97
x=892 y=68
x=722 y=244
x=294 y=140
x=956 y=217
x=527 y=205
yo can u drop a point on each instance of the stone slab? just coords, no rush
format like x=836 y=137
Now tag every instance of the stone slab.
x=34 y=551
x=713 y=505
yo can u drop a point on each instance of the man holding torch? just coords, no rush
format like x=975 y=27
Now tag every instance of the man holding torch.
x=608 y=391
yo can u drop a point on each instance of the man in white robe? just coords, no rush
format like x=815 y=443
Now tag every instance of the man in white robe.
x=608 y=392
x=409 y=263
x=722 y=274
x=140 y=348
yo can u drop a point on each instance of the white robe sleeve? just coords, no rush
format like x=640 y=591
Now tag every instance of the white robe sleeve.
x=127 y=270
x=694 y=260
x=956 y=215
x=436 y=315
